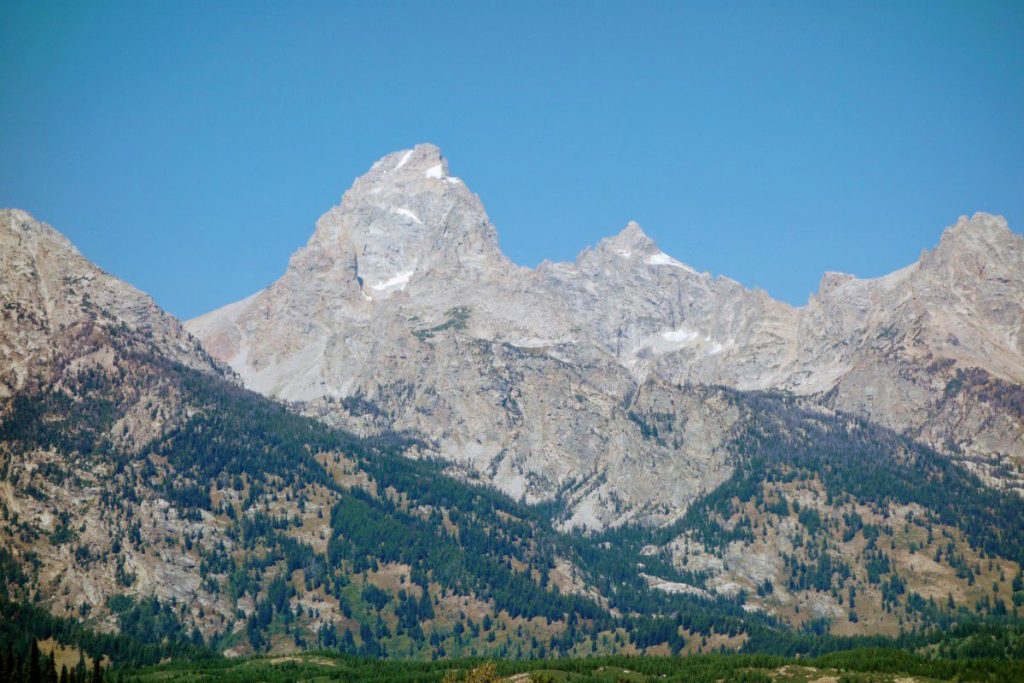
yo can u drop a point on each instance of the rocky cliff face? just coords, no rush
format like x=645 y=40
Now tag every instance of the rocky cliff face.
x=65 y=324
x=402 y=313
x=50 y=292
x=132 y=465
x=83 y=359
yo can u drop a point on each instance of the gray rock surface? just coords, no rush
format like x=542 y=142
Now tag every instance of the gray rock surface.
x=402 y=313
x=49 y=291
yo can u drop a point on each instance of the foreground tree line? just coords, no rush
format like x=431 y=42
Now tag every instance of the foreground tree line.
x=856 y=666
x=40 y=667
x=974 y=652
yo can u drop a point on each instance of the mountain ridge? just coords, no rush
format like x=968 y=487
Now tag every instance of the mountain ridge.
x=48 y=282
x=143 y=491
x=409 y=257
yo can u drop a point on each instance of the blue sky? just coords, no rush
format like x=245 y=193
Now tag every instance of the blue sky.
x=189 y=147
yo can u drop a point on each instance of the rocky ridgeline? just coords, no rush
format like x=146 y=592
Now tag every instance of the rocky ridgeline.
x=134 y=466
x=49 y=290
x=402 y=313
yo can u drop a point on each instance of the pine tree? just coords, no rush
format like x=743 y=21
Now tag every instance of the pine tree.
x=51 y=667
x=9 y=664
x=35 y=672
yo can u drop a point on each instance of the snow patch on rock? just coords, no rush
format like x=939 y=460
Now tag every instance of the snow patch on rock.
x=663 y=259
x=399 y=280
x=680 y=336
x=404 y=160
x=407 y=213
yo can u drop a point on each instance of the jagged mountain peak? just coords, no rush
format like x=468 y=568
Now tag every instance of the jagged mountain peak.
x=981 y=224
x=421 y=169
x=21 y=223
x=982 y=245
x=406 y=216
x=634 y=249
x=976 y=241
x=58 y=304
x=833 y=280
x=403 y=299
x=423 y=158
x=629 y=241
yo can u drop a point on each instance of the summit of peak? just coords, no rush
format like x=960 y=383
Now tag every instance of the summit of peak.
x=423 y=161
x=631 y=238
x=19 y=221
x=979 y=225
x=408 y=171
x=634 y=231
x=16 y=214
x=977 y=243
x=983 y=233
x=422 y=154
x=404 y=217
x=634 y=245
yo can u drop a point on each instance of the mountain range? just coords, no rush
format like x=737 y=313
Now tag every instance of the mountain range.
x=410 y=446
x=401 y=313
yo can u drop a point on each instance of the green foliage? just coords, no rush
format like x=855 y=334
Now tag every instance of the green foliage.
x=11 y=573
x=854 y=457
x=462 y=539
x=149 y=633
x=856 y=665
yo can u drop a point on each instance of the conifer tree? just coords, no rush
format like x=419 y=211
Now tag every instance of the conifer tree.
x=35 y=672
x=51 y=667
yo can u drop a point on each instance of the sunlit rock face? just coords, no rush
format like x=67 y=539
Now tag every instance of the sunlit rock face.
x=57 y=305
x=85 y=385
x=402 y=313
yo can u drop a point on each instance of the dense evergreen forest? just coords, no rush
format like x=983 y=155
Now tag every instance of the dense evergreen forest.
x=857 y=666
x=965 y=653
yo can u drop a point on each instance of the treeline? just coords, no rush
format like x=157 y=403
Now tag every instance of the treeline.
x=136 y=644
x=473 y=540
x=38 y=667
x=856 y=665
